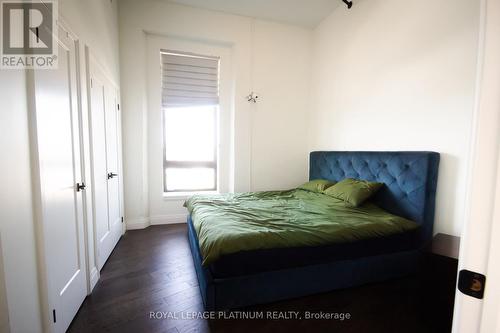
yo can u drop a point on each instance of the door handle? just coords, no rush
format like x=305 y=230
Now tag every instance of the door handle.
x=80 y=187
x=112 y=175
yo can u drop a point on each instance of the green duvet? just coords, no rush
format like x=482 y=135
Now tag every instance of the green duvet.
x=231 y=223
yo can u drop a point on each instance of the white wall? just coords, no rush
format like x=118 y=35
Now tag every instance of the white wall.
x=16 y=214
x=400 y=75
x=95 y=23
x=279 y=57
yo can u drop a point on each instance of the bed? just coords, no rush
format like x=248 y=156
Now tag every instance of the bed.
x=279 y=262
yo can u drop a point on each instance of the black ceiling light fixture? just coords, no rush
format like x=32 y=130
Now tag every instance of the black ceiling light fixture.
x=348 y=3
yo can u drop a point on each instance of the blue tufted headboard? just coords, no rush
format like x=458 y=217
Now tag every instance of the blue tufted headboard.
x=410 y=179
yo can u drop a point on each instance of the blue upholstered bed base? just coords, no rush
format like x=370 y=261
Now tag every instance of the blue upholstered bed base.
x=410 y=179
x=234 y=292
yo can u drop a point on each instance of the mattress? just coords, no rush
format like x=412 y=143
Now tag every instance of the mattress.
x=232 y=223
x=263 y=260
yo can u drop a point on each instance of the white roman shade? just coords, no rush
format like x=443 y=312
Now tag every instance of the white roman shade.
x=189 y=80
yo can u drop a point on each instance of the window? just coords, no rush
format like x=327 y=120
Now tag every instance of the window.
x=190 y=104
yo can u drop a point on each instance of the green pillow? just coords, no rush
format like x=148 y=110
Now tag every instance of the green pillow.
x=317 y=185
x=353 y=191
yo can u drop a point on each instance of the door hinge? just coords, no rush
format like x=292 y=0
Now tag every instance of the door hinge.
x=54 y=315
x=90 y=82
x=122 y=219
x=118 y=107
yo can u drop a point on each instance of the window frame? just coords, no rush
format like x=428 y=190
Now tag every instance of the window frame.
x=192 y=164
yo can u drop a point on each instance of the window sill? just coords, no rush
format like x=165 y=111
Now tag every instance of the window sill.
x=184 y=195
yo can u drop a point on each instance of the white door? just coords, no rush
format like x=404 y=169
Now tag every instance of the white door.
x=112 y=158
x=480 y=242
x=490 y=317
x=57 y=147
x=105 y=161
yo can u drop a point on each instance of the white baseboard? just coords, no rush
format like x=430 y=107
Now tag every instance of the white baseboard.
x=142 y=223
x=168 y=219
x=94 y=277
x=139 y=223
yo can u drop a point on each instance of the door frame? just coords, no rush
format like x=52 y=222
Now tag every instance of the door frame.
x=93 y=274
x=480 y=236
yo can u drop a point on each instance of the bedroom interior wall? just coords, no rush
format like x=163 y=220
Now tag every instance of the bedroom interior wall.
x=273 y=60
x=407 y=85
x=368 y=94
x=16 y=213
x=95 y=23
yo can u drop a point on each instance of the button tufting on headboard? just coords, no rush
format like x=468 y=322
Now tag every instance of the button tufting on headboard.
x=410 y=179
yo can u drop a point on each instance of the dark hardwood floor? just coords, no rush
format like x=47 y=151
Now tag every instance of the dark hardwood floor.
x=151 y=270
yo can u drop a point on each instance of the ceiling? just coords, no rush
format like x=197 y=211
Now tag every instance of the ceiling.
x=306 y=13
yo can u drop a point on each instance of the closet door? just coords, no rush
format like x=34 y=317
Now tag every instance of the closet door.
x=104 y=148
x=103 y=239
x=59 y=199
x=112 y=158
